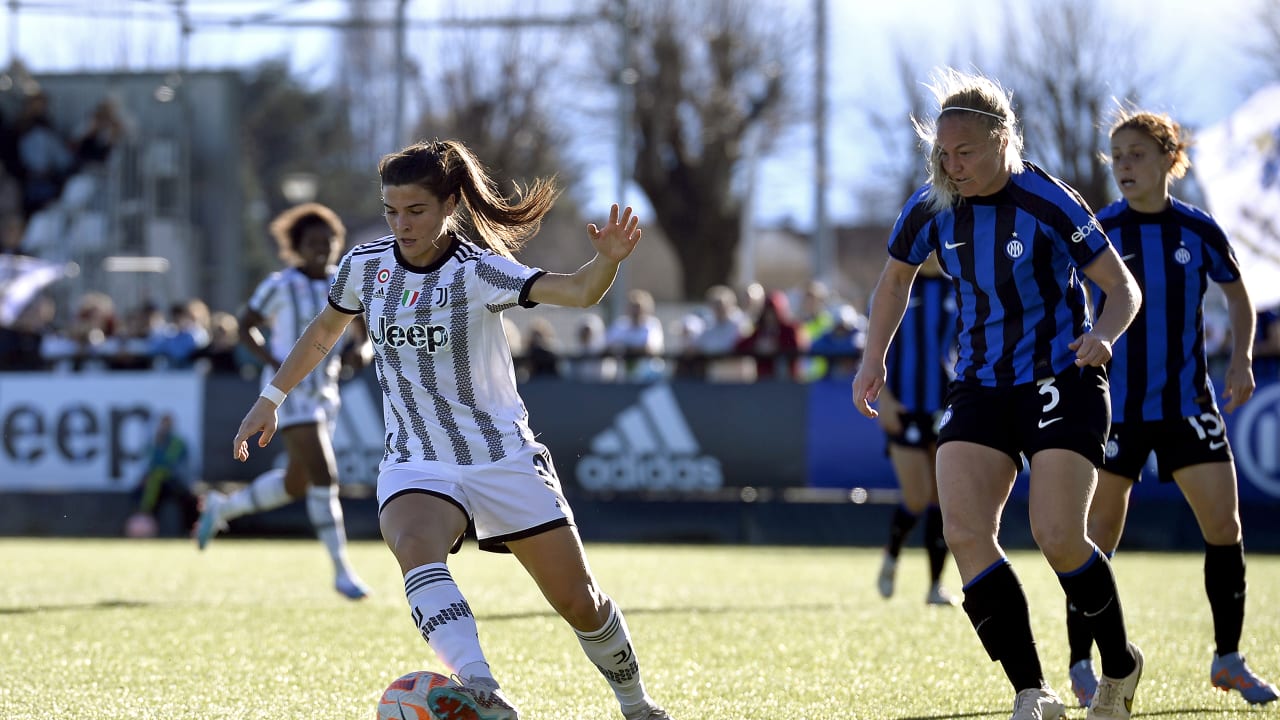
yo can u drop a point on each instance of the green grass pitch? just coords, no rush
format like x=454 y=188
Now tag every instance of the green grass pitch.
x=94 y=629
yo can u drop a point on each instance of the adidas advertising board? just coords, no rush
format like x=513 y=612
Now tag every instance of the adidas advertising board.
x=648 y=447
x=62 y=432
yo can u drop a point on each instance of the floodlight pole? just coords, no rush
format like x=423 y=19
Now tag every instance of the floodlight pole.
x=626 y=78
x=397 y=128
x=823 y=255
x=13 y=32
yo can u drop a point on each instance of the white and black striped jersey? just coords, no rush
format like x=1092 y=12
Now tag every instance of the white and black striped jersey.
x=289 y=301
x=448 y=382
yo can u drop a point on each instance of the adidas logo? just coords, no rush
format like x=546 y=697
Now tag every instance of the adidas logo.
x=649 y=447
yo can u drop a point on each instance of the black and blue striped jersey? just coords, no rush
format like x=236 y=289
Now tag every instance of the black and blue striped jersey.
x=1158 y=367
x=919 y=360
x=1014 y=257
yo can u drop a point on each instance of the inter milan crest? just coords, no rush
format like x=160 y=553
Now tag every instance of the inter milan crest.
x=1014 y=248
x=1182 y=255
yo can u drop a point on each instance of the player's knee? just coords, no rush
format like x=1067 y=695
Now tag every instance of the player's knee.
x=962 y=536
x=1058 y=543
x=414 y=547
x=1223 y=531
x=581 y=605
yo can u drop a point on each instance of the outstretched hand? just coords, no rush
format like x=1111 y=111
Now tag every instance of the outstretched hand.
x=261 y=418
x=618 y=237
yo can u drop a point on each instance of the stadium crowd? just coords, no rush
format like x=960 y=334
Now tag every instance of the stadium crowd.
x=735 y=335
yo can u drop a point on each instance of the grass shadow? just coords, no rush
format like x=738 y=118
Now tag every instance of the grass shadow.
x=100 y=605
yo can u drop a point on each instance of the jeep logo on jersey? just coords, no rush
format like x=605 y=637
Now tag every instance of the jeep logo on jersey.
x=431 y=337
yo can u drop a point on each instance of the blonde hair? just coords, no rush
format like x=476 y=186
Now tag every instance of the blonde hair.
x=1169 y=136
x=978 y=97
x=447 y=168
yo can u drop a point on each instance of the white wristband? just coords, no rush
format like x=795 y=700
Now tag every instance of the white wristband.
x=274 y=394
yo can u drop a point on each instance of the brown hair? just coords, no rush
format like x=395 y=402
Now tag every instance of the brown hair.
x=447 y=168
x=289 y=225
x=1168 y=134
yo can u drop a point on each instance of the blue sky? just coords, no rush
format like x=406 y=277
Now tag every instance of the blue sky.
x=1204 y=39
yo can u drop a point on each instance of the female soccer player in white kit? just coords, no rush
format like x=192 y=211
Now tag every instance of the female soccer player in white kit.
x=310 y=238
x=459 y=449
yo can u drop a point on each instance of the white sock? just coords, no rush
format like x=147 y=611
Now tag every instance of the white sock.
x=610 y=649
x=445 y=620
x=266 y=492
x=325 y=511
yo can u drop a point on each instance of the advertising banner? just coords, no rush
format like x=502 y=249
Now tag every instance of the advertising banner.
x=90 y=431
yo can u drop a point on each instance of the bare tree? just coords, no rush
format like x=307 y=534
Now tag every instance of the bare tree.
x=493 y=95
x=366 y=82
x=902 y=168
x=711 y=77
x=1068 y=64
x=290 y=128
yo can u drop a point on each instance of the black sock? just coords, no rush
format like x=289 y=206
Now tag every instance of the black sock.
x=997 y=607
x=934 y=543
x=1225 y=584
x=899 y=527
x=1079 y=638
x=1092 y=589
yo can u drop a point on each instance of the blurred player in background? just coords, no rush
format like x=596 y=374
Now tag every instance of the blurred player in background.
x=459 y=449
x=1161 y=396
x=310 y=238
x=1030 y=377
x=918 y=368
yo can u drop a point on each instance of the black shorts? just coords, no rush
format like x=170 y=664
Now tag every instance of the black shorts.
x=919 y=430
x=1177 y=444
x=1070 y=411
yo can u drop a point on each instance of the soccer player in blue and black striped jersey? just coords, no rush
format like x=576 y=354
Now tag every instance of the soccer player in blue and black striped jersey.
x=918 y=370
x=1162 y=400
x=1030 y=377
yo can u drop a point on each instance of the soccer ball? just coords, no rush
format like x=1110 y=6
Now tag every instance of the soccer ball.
x=140 y=525
x=406 y=697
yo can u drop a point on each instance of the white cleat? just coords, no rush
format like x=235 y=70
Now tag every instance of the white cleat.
x=351 y=587
x=477 y=699
x=939 y=595
x=1113 y=699
x=1038 y=704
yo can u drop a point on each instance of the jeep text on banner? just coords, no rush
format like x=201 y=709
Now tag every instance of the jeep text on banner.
x=90 y=431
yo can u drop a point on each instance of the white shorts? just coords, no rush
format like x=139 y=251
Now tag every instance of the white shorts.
x=511 y=499
x=304 y=406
